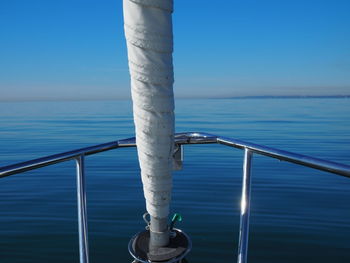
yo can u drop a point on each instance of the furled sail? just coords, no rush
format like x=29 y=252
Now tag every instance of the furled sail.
x=148 y=31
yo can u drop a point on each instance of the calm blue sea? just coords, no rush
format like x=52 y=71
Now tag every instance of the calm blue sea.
x=298 y=214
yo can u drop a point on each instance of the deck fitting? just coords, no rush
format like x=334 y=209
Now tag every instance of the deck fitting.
x=178 y=247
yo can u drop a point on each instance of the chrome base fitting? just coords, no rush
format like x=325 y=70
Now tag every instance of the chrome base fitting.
x=179 y=246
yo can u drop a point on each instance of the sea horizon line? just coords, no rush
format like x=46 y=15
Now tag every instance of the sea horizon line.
x=177 y=97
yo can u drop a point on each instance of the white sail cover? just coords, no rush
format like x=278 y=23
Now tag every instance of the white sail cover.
x=148 y=31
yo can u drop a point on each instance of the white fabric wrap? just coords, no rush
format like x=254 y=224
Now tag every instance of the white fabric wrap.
x=148 y=31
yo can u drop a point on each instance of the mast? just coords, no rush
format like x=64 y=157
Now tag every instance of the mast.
x=148 y=31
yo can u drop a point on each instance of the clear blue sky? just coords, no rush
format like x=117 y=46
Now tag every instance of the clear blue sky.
x=76 y=49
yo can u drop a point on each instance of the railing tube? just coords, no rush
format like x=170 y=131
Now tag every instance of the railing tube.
x=245 y=208
x=82 y=215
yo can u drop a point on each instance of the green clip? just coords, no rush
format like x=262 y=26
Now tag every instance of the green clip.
x=176 y=217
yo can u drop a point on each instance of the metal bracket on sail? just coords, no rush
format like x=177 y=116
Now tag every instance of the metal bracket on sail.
x=178 y=157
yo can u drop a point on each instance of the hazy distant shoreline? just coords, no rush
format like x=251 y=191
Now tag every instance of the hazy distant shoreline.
x=289 y=97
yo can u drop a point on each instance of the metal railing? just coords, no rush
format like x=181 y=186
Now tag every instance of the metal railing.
x=180 y=139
